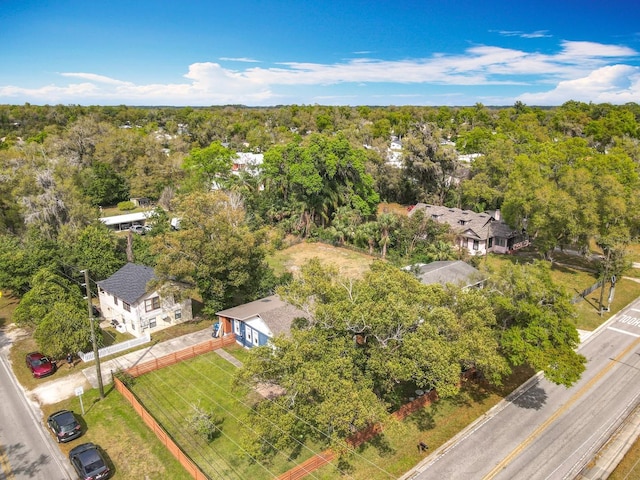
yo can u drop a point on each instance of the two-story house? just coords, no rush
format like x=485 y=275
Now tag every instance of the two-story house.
x=126 y=300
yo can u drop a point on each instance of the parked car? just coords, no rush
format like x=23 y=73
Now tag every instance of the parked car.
x=139 y=229
x=40 y=365
x=64 y=426
x=89 y=462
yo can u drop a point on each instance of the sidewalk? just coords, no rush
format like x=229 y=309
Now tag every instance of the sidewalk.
x=57 y=390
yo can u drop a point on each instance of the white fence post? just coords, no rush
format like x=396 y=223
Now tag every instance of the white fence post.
x=118 y=347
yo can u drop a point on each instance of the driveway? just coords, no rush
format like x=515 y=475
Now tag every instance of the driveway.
x=58 y=389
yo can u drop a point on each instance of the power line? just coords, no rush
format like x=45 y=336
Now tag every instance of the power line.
x=235 y=399
x=221 y=431
x=324 y=434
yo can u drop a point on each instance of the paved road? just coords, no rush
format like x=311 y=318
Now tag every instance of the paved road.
x=545 y=431
x=26 y=450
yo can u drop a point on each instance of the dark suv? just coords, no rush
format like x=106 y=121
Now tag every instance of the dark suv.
x=89 y=462
x=64 y=426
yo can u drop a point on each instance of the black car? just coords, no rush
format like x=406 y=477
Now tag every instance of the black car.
x=64 y=426
x=89 y=462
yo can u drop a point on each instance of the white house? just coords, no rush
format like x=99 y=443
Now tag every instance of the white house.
x=123 y=222
x=247 y=162
x=478 y=233
x=125 y=300
x=254 y=323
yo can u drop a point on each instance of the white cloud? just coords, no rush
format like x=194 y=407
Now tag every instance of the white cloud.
x=92 y=77
x=518 y=33
x=239 y=59
x=579 y=70
x=611 y=84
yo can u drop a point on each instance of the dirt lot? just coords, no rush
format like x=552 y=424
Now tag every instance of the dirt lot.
x=349 y=262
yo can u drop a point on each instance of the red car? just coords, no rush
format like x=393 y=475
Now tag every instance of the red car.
x=40 y=365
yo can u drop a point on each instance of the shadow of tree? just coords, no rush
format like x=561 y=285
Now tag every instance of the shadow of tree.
x=381 y=443
x=20 y=464
x=424 y=418
x=533 y=398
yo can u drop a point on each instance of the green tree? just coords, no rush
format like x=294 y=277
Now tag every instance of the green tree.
x=20 y=259
x=320 y=175
x=536 y=321
x=94 y=248
x=47 y=289
x=209 y=166
x=65 y=328
x=215 y=251
x=104 y=186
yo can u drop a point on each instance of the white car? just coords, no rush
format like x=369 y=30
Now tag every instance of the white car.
x=139 y=229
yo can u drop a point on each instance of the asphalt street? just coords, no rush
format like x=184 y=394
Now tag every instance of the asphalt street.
x=546 y=431
x=27 y=451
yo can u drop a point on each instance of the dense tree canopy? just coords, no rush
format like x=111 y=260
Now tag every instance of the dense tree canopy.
x=214 y=252
x=363 y=340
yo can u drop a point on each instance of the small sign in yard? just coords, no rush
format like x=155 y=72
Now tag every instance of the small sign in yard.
x=79 y=392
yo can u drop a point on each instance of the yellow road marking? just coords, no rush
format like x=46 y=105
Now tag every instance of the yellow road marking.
x=4 y=464
x=538 y=431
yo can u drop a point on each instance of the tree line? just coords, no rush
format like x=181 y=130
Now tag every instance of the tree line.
x=569 y=175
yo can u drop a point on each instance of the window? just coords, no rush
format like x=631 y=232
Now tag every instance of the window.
x=256 y=338
x=115 y=300
x=126 y=306
x=236 y=327
x=248 y=334
x=152 y=322
x=490 y=242
x=475 y=244
x=178 y=314
x=151 y=304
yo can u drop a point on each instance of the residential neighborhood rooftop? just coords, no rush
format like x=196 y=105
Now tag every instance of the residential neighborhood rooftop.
x=129 y=283
x=474 y=225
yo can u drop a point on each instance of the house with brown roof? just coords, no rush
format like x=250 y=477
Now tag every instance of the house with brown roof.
x=478 y=233
x=256 y=322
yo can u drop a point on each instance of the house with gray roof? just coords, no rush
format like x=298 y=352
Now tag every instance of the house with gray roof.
x=128 y=302
x=455 y=272
x=254 y=323
x=478 y=233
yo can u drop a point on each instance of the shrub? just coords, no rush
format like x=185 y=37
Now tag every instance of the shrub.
x=128 y=205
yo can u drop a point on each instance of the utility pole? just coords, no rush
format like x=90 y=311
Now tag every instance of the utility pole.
x=604 y=282
x=93 y=331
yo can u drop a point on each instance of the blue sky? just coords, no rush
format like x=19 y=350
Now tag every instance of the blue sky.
x=350 y=52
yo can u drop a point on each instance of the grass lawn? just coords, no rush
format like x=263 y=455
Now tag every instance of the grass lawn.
x=132 y=448
x=629 y=466
x=349 y=262
x=571 y=272
x=209 y=378
x=395 y=451
x=390 y=454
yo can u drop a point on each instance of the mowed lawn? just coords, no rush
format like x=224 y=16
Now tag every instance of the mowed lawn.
x=132 y=449
x=350 y=263
x=576 y=274
x=172 y=395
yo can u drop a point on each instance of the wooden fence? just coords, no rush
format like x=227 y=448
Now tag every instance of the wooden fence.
x=156 y=364
x=181 y=355
x=321 y=459
x=162 y=435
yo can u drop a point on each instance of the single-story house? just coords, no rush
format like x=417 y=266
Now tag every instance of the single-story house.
x=126 y=301
x=247 y=162
x=124 y=222
x=456 y=272
x=478 y=233
x=254 y=323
